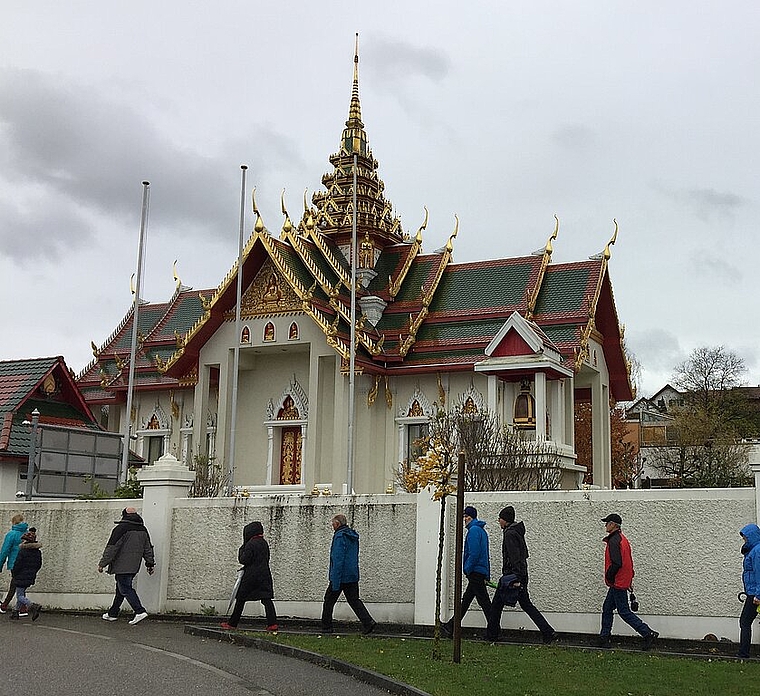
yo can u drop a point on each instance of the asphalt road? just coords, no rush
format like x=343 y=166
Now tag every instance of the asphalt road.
x=84 y=656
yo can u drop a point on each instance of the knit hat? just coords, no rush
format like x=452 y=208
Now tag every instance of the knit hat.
x=30 y=535
x=507 y=514
x=470 y=511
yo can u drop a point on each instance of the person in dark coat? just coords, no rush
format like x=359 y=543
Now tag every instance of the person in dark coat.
x=344 y=576
x=256 y=583
x=127 y=547
x=514 y=552
x=25 y=568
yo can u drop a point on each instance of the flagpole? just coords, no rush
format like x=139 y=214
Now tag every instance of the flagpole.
x=352 y=353
x=133 y=349
x=236 y=358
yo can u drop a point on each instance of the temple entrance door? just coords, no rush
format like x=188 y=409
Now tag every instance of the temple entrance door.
x=290 y=456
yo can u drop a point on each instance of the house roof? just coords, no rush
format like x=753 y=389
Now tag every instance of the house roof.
x=45 y=384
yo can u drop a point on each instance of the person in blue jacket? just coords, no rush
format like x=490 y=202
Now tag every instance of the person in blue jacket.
x=344 y=576
x=8 y=554
x=751 y=579
x=476 y=565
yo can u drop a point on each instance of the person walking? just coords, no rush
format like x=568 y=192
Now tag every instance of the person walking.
x=751 y=580
x=514 y=551
x=618 y=576
x=476 y=566
x=344 y=576
x=8 y=553
x=256 y=582
x=128 y=545
x=25 y=568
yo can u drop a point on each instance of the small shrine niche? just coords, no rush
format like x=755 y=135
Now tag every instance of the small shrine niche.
x=293 y=332
x=245 y=335
x=269 y=333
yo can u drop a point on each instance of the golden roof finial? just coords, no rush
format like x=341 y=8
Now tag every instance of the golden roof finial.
x=450 y=243
x=132 y=284
x=287 y=226
x=548 y=248
x=607 y=252
x=355 y=111
x=176 y=275
x=259 y=226
x=309 y=218
x=418 y=238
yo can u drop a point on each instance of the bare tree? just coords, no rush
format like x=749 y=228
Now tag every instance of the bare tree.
x=210 y=477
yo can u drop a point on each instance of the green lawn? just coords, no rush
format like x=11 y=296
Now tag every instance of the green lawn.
x=501 y=670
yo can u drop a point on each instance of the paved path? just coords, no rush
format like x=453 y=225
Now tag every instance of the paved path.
x=85 y=656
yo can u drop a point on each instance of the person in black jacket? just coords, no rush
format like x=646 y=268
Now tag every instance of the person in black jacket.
x=256 y=582
x=515 y=554
x=127 y=547
x=25 y=568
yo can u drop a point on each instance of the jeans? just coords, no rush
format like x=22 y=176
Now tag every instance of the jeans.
x=269 y=610
x=124 y=590
x=22 y=601
x=523 y=599
x=618 y=599
x=748 y=615
x=476 y=589
x=351 y=592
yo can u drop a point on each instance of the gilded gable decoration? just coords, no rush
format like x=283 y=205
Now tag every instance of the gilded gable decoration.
x=292 y=400
x=157 y=420
x=417 y=406
x=472 y=401
x=268 y=294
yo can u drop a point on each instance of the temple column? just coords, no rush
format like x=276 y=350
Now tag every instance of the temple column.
x=600 y=433
x=540 y=396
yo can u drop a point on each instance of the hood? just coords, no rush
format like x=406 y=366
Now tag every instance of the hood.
x=130 y=518
x=20 y=527
x=476 y=523
x=346 y=531
x=30 y=545
x=251 y=530
x=516 y=528
x=752 y=533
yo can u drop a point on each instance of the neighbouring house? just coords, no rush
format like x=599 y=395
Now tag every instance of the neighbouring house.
x=66 y=427
x=522 y=337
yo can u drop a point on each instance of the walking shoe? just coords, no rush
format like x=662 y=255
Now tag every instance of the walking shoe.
x=23 y=614
x=35 y=611
x=649 y=640
x=3 y=608
x=549 y=638
x=108 y=617
x=603 y=642
x=138 y=618
x=369 y=628
x=227 y=627
x=273 y=628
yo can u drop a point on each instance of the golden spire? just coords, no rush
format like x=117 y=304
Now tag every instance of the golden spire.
x=354 y=137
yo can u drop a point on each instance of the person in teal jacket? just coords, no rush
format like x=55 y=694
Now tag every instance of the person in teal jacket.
x=344 y=576
x=476 y=565
x=751 y=579
x=8 y=554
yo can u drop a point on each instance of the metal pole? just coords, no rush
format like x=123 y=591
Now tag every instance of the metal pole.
x=133 y=349
x=32 y=464
x=458 y=548
x=352 y=353
x=236 y=358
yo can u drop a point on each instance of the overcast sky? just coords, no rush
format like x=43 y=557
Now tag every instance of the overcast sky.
x=503 y=113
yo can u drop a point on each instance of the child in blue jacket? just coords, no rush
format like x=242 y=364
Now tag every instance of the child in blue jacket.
x=8 y=554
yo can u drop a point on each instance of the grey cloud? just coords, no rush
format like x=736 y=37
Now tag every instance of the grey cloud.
x=574 y=137
x=658 y=351
x=704 y=203
x=394 y=61
x=72 y=143
x=708 y=266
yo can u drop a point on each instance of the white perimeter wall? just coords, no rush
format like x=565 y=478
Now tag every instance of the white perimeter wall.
x=685 y=545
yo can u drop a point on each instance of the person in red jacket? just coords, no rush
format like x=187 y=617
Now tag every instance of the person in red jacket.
x=618 y=576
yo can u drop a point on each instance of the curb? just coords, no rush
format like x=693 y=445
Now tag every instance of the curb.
x=365 y=676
